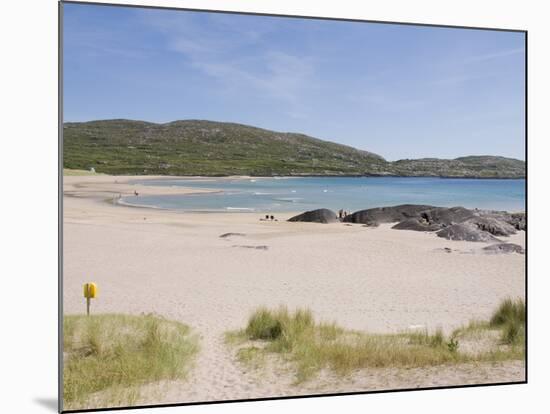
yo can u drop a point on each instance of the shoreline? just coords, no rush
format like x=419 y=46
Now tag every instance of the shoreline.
x=107 y=187
x=214 y=177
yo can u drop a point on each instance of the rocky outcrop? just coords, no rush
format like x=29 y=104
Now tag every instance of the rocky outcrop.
x=226 y=235
x=504 y=248
x=416 y=224
x=493 y=225
x=452 y=223
x=466 y=232
x=261 y=247
x=386 y=214
x=518 y=220
x=322 y=215
x=429 y=218
x=435 y=218
x=446 y=216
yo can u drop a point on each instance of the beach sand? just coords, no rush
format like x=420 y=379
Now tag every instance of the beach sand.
x=176 y=265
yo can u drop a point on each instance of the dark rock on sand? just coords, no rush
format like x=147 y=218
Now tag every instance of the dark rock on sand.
x=504 y=248
x=467 y=232
x=498 y=223
x=386 y=214
x=493 y=225
x=225 y=235
x=262 y=247
x=452 y=223
x=417 y=224
x=518 y=221
x=322 y=215
x=446 y=216
x=412 y=216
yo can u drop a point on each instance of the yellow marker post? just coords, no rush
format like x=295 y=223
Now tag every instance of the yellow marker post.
x=90 y=292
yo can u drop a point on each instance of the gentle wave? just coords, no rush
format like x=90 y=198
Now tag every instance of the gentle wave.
x=240 y=208
x=288 y=199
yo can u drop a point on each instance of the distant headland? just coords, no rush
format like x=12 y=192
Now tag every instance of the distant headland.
x=208 y=148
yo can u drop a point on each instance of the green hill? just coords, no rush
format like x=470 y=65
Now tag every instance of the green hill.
x=195 y=147
x=472 y=166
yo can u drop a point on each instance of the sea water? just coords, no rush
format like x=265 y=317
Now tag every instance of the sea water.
x=293 y=194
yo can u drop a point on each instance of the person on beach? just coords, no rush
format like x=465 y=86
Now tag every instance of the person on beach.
x=340 y=214
x=136 y=193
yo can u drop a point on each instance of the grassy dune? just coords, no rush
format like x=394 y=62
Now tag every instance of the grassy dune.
x=112 y=354
x=312 y=346
x=510 y=318
x=108 y=357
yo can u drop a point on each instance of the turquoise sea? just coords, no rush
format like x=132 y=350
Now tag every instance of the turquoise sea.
x=292 y=194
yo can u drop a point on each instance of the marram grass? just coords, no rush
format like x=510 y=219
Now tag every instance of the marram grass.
x=114 y=354
x=312 y=346
x=510 y=317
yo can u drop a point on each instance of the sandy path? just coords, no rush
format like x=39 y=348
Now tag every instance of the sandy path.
x=382 y=280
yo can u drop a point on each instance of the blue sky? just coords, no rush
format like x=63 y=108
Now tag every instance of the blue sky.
x=400 y=91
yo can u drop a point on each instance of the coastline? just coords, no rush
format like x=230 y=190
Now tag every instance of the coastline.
x=114 y=188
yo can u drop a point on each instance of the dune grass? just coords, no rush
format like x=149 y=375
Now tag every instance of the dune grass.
x=115 y=353
x=312 y=346
x=510 y=317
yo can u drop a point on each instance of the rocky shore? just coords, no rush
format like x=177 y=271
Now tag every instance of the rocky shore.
x=451 y=223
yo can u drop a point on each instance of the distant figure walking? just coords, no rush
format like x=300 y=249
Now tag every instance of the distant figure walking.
x=272 y=218
x=136 y=193
x=340 y=214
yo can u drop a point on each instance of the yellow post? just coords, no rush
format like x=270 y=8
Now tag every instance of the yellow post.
x=90 y=291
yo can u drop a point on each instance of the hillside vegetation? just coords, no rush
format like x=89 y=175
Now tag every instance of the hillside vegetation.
x=472 y=166
x=195 y=147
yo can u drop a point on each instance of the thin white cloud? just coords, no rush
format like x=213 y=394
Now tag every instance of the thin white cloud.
x=92 y=43
x=279 y=76
x=494 y=55
x=386 y=102
x=460 y=78
x=456 y=79
x=229 y=54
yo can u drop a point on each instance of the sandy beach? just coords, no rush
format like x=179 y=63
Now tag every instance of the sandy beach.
x=176 y=265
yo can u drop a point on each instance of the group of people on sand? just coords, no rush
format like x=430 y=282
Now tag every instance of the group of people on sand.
x=342 y=213
x=269 y=218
